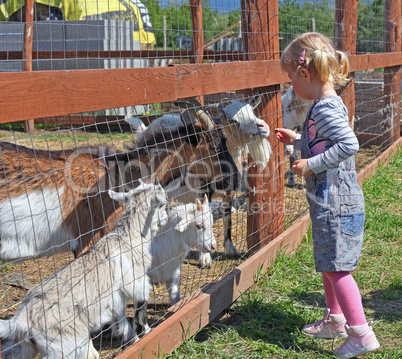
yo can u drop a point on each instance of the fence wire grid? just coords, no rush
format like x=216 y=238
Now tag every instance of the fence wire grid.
x=55 y=180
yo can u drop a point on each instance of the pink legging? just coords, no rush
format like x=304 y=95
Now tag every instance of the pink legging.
x=343 y=296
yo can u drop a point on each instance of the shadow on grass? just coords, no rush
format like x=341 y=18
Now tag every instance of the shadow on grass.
x=275 y=324
x=386 y=304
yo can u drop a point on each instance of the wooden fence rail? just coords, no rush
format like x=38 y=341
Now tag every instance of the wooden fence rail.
x=23 y=95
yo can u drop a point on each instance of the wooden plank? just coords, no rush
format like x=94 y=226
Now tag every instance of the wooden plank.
x=53 y=93
x=24 y=95
x=199 y=79
x=265 y=198
x=374 y=61
x=198 y=31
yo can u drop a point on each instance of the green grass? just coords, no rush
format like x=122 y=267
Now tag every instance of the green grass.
x=266 y=320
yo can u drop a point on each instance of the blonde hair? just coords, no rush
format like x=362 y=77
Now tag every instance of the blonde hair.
x=320 y=58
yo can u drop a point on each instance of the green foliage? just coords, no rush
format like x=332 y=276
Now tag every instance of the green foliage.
x=370 y=24
x=178 y=21
x=295 y=17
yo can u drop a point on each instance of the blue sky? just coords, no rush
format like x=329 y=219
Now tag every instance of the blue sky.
x=225 y=5
x=220 y=5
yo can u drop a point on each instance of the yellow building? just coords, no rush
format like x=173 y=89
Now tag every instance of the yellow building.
x=129 y=10
x=11 y=9
x=126 y=10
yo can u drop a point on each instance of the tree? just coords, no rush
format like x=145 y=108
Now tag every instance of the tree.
x=178 y=20
x=370 y=27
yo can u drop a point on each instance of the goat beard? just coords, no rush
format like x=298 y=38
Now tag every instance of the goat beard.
x=260 y=151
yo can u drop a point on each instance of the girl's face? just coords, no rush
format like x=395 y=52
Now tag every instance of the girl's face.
x=301 y=81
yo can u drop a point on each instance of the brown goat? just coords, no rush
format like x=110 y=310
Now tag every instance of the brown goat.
x=52 y=201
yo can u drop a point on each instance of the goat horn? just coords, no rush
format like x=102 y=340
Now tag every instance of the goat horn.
x=201 y=115
x=199 y=204
x=194 y=101
x=156 y=181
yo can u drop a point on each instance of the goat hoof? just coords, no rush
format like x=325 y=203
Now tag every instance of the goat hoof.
x=205 y=260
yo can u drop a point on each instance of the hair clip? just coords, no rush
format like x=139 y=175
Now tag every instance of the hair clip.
x=301 y=58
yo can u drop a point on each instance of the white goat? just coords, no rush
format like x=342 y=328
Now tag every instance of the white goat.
x=57 y=316
x=136 y=124
x=294 y=113
x=189 y=226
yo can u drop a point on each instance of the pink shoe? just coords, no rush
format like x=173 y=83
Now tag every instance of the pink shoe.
x=331 y=327
x=361 y=340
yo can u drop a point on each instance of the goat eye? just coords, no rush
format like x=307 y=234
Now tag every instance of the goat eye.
x=199 y=226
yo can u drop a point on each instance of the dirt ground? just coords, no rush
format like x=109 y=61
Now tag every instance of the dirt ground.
x=19 y=276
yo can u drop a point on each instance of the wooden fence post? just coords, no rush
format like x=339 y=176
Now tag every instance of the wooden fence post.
x=345 y=33
x=198 y=35
x=198 y=31
x=260 y=31
x=28 y=39
x=392 y=75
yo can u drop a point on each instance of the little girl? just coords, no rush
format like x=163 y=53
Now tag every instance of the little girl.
x=327 y=145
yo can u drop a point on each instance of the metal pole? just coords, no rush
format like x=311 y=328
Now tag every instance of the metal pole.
x=28 y=39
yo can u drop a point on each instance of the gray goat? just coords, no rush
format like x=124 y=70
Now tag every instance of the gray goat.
x=57 y=317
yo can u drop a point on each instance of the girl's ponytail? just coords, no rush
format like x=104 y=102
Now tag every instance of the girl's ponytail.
x=321 y=64
x=343 y=67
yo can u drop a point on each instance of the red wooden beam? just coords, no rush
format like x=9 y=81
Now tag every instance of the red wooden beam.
x=198 y=31
x=260 y=29
x=53 y=93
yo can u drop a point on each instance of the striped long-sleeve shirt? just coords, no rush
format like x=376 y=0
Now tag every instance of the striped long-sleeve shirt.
x=331 y=140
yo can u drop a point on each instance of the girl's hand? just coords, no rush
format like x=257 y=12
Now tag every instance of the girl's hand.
x=302 y=168
x=285 y=136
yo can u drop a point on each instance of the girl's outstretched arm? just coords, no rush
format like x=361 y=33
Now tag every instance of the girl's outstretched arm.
x=285 y=135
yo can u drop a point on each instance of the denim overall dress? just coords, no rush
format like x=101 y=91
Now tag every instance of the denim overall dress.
x=337 y=213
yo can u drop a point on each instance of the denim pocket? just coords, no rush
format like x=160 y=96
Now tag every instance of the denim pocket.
x=352 y=223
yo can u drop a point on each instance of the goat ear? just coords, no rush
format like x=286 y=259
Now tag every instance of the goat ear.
x=119 y=196
x=194 y=131
x=183 y=224
x=255 y=100
x=205 y=201
x=199 y=205
x=225 y=101
x=160 y=200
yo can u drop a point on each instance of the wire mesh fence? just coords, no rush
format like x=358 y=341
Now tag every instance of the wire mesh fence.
x=206 y=153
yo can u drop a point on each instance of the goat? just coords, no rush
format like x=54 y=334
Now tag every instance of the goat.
x=245 y=132
x=189 y=226
x=58 y=315
x=53 y=201
x=294 y=113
